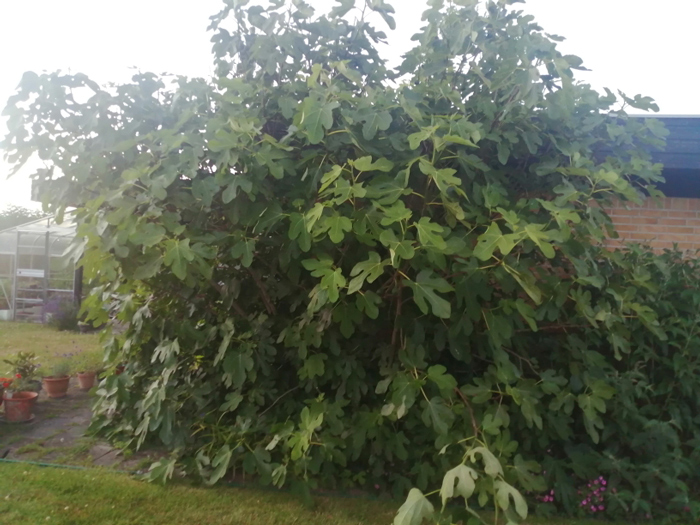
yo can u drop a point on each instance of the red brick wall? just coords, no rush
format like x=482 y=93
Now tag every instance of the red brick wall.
x=660 y=223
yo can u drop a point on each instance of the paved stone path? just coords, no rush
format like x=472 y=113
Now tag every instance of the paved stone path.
x=58 y=435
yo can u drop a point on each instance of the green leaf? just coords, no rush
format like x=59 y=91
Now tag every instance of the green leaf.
x=429 y=233
x=444 y=178
x=316 y=115
x=414 y=510
x=233 y=399
x=298 y=231
x=527 y=471
x=318 y=267
x=204 y=189
x=150 y=268
x=337 y=226
x=313 y=366
x=464 y=477
x=492 y=466
x=239 y=181
x=378 y=120
x=445 y=382
x=220 y=464
x=332 y=282
x=528 y=283
x=424 y=292
x=438 y=415
x=540 y=238
x=397 y=212
x=330 y=177
x=279 y=474
x=236 y=366
x=244 y=250
x=527 y=312
x=504 y=492
x=269 y=217
x=368 y=303
x=415 y=139
x=456 y=139
x=601 y=389
x=397 y=249
x=385 y=192
x=148 y=234
x=491 y=239
x=368 y=270
x=162 y=470
x=177 y=255
x=366 y=164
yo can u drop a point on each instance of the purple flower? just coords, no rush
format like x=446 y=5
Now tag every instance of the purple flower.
x=601 y=507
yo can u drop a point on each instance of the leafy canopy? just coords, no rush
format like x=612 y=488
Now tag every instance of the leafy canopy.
x=337 y=273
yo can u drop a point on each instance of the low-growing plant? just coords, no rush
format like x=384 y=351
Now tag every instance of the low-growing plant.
x=87 y=362
x=18 y=383
x=63 y=314
x=24 y=364
x=61 y=368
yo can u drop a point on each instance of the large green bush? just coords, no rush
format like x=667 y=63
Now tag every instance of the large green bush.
x=338 y=274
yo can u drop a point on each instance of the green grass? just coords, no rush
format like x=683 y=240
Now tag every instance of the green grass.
x=47 y=343
x=31 y=495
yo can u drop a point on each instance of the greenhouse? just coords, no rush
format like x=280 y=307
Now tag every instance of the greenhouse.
x=36 y=277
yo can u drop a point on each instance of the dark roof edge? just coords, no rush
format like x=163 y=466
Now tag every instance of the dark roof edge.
x=646 y=115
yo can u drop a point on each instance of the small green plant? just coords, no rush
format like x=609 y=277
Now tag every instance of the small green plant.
x=63 y=315
x=61 y=368
x=87 y=362
x=24 y=364
x=18 y=383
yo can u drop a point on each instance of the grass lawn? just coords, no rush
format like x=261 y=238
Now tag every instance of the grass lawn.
x=33 y=495
x=47 y=343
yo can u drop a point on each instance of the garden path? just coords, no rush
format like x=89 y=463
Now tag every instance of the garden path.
x=58 y=435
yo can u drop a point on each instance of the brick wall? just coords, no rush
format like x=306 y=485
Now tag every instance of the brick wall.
x=659 y=223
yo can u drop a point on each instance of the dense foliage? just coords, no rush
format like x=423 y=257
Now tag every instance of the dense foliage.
x=338 y=274
x=12 y=215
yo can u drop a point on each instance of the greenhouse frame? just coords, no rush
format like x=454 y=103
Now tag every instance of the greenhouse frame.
x=37 y=278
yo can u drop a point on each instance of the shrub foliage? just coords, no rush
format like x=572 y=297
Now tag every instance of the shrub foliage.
x=336 y=273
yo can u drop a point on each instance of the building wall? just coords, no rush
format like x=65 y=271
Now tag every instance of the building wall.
x=659 y=223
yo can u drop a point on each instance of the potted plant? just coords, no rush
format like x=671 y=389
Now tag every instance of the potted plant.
x=88 y=368
x=56 y=384
x=18 y=401
x=4 y=383
x=24 y=364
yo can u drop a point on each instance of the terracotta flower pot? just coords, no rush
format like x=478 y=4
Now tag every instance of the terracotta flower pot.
x=56 y=386
x=86 y=380
x=19 y=407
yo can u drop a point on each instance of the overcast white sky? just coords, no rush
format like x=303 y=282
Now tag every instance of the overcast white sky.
x=638 y=46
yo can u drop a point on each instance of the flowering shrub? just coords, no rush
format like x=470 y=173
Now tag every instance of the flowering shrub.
x=593 y=496
x=24 y=364
x=16 y=384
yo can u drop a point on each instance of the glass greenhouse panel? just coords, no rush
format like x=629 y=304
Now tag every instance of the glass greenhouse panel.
x=36 y=278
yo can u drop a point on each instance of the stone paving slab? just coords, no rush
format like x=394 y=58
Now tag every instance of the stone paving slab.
x=58 y=434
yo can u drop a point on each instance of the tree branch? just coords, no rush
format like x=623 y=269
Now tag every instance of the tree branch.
x=271 y=310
